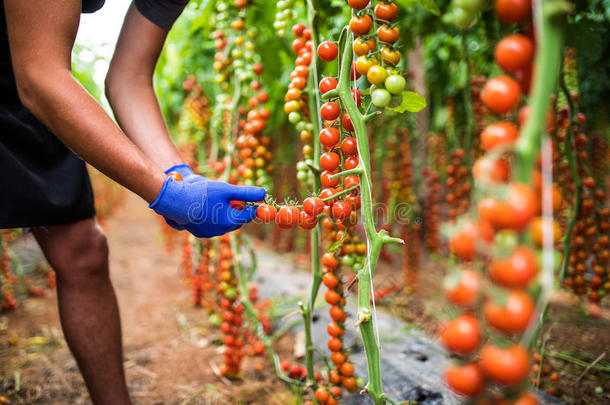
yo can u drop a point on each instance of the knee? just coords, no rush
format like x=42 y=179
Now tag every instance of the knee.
x=86 y=257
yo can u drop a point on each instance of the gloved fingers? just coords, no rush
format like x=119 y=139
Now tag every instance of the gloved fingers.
x=242 y=216
x=244 y=193
x=233 y=228
x=174 y=224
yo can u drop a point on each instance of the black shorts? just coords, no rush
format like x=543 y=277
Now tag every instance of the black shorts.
x=41 y=181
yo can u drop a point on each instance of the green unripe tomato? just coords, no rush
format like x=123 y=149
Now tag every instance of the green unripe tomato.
x=468 y=5
x=301 y=166
x=381 y=98
x=395 y=84
x=463 y=19
x=301 y=126
x=347 y=260
x=294 y=117
x=301 y=175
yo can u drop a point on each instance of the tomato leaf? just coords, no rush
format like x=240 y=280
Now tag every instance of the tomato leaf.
x=429 y=5
x=411 y=102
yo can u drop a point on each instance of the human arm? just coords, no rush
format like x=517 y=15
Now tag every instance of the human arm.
x=129 y=88
x=41 y=36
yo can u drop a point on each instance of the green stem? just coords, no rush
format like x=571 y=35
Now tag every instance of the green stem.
x=569 y=153
x=355 y=170
x=549 y=16
x=375 y=240
x=316 y=272
x=468 y=131
x=549 y=23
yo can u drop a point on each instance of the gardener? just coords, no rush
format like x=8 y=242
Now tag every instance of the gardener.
x=48 y=123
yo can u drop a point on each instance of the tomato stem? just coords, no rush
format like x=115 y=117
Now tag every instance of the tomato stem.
x=549 y=25
x=355 y=170
x=316 y=272
x=375 y=240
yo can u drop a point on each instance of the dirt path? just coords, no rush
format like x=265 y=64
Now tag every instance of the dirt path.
x=167 y=349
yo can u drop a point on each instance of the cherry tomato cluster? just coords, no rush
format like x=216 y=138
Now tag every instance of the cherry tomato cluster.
x=431 y=209
x=544 y=376
x=376 y=52
x=458 y=185
x=402 y=191
x=499 y=238
x=196 y=109
x=296 y=99
x=284 y=14
x=7 y=278
x=589 y=238
x=231 y=309
x=202 y=281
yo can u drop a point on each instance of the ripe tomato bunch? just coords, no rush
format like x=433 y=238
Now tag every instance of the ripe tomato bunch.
x=296 y=99
x=544 y=376
x=196 y=109
x=376 y=52
x=202 y=281
x=458 y=185
x=231 y=310
x=499 y=240
x=431 y=209
x=7 y=278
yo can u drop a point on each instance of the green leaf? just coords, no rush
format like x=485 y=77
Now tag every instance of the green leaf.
x=337 y=244
x=429 y=5
x=411 y=102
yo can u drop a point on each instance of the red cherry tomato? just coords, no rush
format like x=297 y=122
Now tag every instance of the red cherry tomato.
x=361 y=25
x=287 y=216
x=497 y=134
x=313 y=206
x=307 y=221
x=329 y=137
x=462 y=335
x=358 y=4
x=330 y=111
x=507 y=367
x=514 y=316
x=513 y=11
x=346 y=123
x=515 y=271
x=501 y=94
x=327 y=84
x=327 y=51
x=514 y=52
x=467 y=380
x=266 y=212
x=327 y=181
x=341 y=209
x=465 y=292
x=330 y=161
x=349 y=146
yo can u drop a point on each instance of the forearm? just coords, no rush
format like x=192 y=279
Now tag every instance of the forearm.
x=58 y=100
x=137 y=111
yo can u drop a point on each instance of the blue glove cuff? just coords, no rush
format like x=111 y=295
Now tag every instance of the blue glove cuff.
x=161 y=193
x=184 y=169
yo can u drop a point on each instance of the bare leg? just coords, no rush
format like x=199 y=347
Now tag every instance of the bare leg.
x=88 y=309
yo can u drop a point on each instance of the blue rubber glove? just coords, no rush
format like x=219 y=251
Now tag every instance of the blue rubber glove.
x=203 y=208
x=186 y=172
x=187 y=175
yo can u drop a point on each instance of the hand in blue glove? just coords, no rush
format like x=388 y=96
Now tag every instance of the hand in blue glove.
x=203 y=208
x=187 y=175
